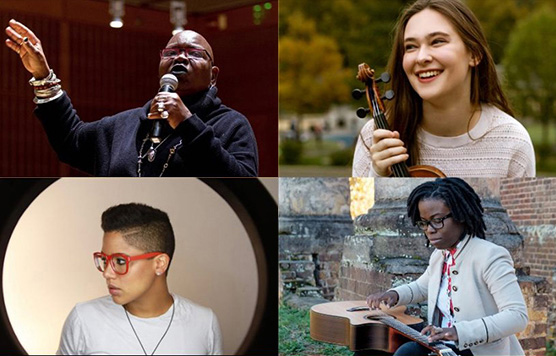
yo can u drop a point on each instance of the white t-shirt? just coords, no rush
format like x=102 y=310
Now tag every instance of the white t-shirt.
x=100 y=327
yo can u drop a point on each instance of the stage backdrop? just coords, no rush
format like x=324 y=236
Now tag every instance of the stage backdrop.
x=108 y=70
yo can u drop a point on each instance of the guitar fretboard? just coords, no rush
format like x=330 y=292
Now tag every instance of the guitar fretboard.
x=406 y=330
x=413 y=334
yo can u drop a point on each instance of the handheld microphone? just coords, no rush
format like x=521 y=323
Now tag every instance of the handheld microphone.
x=168 y=84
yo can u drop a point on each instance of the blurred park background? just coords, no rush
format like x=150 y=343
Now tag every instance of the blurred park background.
x=322 y=42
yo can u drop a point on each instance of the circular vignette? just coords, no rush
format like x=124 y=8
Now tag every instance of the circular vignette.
x=249 y=199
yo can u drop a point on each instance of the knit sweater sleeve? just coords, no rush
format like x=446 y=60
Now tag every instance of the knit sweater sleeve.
x=225 y=147
x=362 y=163
x=522 y=163
x=72 y=139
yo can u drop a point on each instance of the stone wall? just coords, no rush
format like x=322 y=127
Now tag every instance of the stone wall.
x=321 y=247
x=313 y=220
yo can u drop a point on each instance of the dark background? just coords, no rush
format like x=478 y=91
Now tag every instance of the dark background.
x=106 y=70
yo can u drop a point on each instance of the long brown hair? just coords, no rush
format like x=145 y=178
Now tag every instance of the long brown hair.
x=405 y=113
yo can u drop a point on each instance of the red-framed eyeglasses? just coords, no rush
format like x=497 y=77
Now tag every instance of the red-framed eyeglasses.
x=119 y=261
x=191 y=53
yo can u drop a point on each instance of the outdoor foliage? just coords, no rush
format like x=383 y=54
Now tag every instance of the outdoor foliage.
x=499 y=18
x=311 y=73
x=322 y=42
x=531 y=70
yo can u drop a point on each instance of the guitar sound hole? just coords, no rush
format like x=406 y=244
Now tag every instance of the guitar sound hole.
x=378 y=317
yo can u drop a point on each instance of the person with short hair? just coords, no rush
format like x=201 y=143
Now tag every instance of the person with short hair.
x=140 y=316
x=198 y=135
x=475 y=304
x=449 y=109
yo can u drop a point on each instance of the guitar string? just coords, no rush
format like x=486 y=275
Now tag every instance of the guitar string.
x=412 y=333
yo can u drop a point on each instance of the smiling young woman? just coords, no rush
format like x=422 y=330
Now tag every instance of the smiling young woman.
x=450 y=111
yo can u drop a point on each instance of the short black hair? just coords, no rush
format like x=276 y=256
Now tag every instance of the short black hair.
x=141 y=226
x=459 y=197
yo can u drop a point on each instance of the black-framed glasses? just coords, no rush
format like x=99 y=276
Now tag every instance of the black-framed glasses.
x=191 y=53
x=436 y=223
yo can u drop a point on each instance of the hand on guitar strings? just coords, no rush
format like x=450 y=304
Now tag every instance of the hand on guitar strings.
x=437 y=333
x=388 y=298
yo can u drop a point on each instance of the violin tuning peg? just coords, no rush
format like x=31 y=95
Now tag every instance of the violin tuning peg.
x=389 y=95
x=357 y=94
x=362 y=112
x=384 y=78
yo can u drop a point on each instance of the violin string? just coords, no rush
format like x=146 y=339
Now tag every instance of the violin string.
x=380 y=120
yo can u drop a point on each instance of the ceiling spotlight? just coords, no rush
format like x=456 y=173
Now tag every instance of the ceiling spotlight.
x=117 y=11
x=178 y=15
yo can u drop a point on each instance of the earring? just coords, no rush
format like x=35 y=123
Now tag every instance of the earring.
x=158 y=273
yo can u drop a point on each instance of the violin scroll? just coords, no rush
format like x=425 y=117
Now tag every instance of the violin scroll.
x=374 y=100
x=367 y=75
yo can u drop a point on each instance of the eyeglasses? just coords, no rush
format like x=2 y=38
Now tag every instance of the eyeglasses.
x=191 y=53
x=119 y=261
x=436 y=223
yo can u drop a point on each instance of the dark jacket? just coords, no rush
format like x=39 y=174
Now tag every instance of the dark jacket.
x=215 y=141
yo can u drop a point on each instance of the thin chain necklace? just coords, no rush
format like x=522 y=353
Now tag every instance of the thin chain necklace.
x=137 y=336
x=152 y=152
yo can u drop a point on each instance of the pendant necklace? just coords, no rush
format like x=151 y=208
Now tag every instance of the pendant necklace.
x=137 y=336
x=151 y=152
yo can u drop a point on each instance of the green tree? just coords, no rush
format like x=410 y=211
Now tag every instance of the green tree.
x=499 y=18
x=362 y=28
x=312 y=76
x=530 y=67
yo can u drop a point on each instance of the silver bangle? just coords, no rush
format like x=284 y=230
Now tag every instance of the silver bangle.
x=40 y=82
x=48 y=92
x=45 y=100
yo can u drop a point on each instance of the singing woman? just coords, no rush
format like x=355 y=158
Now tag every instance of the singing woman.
x=449 y=111
x=475 y=304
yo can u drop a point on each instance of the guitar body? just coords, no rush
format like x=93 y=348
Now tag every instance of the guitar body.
x=332 y=323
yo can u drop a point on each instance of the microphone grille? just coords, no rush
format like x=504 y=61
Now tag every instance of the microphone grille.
x=170 y=80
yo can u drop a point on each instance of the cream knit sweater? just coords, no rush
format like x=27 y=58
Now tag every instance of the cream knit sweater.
x=498 y=146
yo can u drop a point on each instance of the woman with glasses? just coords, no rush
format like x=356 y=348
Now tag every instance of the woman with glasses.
x=140 y=316
x=450 y=111
x=184 y=131
x=475 y=305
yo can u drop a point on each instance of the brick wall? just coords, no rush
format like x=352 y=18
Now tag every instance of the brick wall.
x=531 y=203
x=537 y=293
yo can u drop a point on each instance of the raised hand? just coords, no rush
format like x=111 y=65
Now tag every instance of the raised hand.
x=24 y=42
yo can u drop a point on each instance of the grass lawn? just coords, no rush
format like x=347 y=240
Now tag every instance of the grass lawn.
x=314 y=171
x=294 y=339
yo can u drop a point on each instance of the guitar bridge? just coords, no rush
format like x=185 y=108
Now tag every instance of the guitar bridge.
x=354 y=309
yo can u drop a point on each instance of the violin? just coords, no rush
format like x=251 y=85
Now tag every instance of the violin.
x=367 y=75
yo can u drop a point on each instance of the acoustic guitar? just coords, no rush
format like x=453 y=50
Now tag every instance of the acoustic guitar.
x=354 y=325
